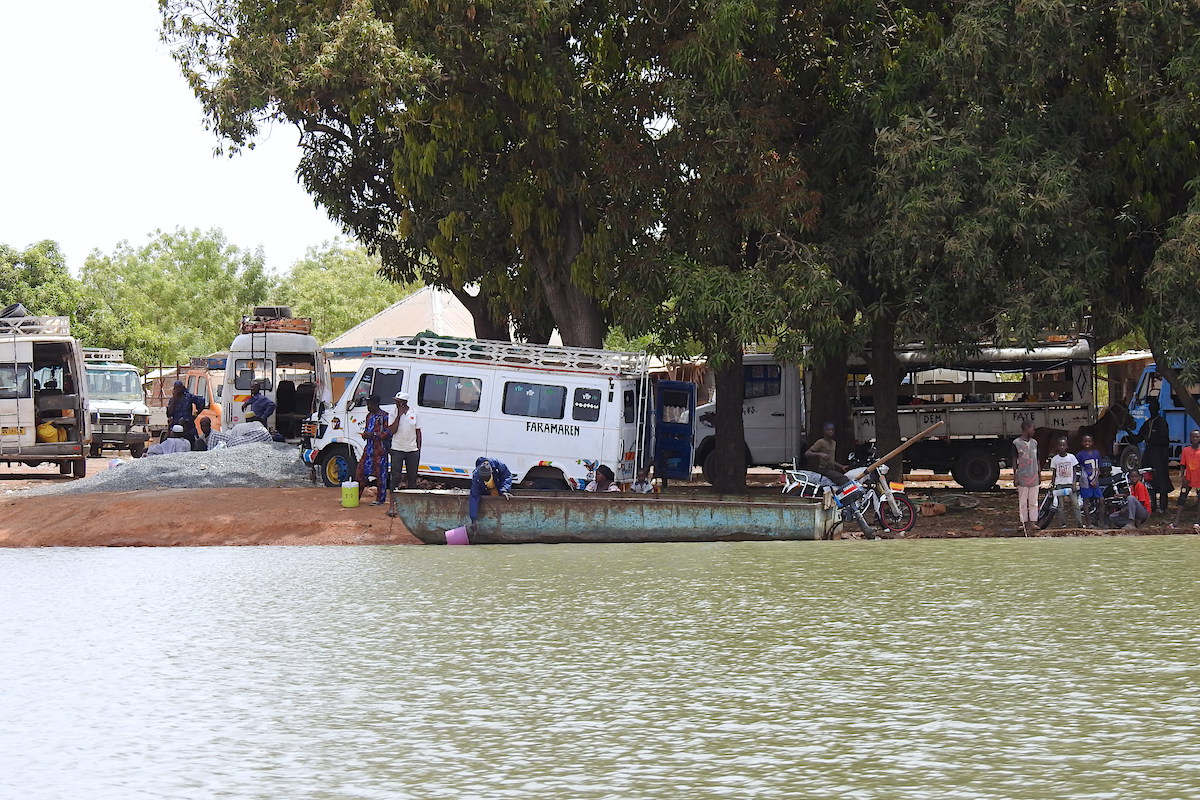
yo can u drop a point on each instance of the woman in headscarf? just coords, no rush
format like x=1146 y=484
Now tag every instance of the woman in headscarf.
x=374 y=461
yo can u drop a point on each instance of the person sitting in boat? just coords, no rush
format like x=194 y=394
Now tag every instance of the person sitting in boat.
x=642 y=483
x=490 y=477
x=604 y=481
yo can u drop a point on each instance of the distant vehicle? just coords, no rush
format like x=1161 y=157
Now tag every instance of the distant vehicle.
x=1051 y=385
x=551 y=414
x=1151 y=385
x=280 y=352
x=116 y=401
x=44 y=413
x=202 y=376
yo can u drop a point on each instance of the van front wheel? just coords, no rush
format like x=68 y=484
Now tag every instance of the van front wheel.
x=336 y=464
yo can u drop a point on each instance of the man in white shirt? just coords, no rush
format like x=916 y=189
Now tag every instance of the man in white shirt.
x=406 y=443
x=1066 y=483
x=175 y=443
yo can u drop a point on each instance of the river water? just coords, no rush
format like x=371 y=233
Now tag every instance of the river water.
x=1039 y=668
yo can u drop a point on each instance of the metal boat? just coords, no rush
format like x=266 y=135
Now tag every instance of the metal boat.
x=558 y=517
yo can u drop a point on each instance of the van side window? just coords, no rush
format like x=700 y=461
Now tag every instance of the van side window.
x=586 y=405
x=630 y=406
x=449 y=391
x=15 y=382
x=201 y=387
x=364 y=388
x=762 y=380
x=534 y=400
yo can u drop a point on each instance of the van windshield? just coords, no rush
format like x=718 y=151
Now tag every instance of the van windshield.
x=114 y=385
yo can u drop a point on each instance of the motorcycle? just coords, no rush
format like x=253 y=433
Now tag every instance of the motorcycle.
x=1114 y=484
x=866 y=494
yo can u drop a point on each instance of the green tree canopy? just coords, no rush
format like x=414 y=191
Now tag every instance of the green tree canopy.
x=338 y=286
x=181 y=294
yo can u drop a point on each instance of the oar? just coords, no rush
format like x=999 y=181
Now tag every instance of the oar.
x=904 y=446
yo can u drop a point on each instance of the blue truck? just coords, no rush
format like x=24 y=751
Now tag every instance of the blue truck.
x=1151 y=384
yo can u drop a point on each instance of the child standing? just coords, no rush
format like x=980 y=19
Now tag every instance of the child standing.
x=1066 y=482
x=1027 y=476
x=1090 y=493
x=1189 y=463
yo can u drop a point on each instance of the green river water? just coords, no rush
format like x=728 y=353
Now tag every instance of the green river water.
x=1031 y=668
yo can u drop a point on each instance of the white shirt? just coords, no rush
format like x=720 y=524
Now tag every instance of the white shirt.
x=1064 y=469
x=642 y=487
x=593 y=487
x=404 y=439
x=174 y=444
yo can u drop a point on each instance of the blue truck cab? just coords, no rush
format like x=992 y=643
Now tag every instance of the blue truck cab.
x=1153 y=385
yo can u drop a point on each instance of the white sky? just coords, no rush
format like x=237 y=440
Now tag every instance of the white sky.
x=102 y=140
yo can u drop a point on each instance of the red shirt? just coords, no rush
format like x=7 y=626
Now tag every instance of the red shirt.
x=1140 y=491
x=1189 y=459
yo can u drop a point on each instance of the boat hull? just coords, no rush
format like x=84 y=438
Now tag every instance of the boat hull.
x=560 y=517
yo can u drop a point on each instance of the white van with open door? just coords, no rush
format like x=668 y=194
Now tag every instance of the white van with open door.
x=43 y=393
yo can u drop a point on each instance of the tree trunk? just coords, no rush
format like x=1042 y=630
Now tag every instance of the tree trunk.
x=885 y=389
x=1166 y=367
x=577 y=316
x=829 y=401
x=730 y=450
x=485 y=326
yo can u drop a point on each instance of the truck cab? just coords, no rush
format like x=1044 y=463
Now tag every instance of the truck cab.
x=774 y=415
x=279 y=352
x=116 y=402
x=1152 y=385
x=44 y=414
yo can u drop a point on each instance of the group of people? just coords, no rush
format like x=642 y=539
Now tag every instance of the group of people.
x=493 y=477
x=1076 y=479
x=186 y=435
x=391 y=448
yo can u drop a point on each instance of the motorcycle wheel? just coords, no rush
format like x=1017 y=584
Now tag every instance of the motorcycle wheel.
x=902 y=522
x=1046 y=511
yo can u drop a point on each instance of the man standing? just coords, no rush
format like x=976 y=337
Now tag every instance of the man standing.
x=1157 y=435
x=261 y=406
x=182 y=409
x=1027 y=476
x=1189 y=463
x=405 y=451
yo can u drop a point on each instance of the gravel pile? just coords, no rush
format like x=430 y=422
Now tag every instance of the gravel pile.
x=255 y=466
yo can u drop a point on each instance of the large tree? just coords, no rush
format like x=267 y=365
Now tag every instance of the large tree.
x=458 y=139
x=181 y=294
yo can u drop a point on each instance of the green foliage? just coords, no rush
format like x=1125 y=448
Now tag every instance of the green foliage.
x=181 y=294
x=38 y=279
x=338 y=286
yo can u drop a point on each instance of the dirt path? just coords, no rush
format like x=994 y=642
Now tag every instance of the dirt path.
x=195 y=517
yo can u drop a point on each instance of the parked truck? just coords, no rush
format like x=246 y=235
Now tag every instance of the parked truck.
x=116 y=402
x=1152 y=385
x=982 y=401
x=43 y=393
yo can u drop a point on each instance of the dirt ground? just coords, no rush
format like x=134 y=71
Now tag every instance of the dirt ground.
x=314 y=516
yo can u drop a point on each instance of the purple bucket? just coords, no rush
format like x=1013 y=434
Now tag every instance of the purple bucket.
x=457 y=536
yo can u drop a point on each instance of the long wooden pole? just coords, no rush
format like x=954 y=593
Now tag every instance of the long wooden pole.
x=906 y=445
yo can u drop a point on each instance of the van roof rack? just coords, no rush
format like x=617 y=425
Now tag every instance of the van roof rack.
x=30 y=326
x=103 y=355
x=258 y=324
x=515 y=355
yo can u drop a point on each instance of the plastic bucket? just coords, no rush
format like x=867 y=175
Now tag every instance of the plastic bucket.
x=350 y=494
x=457 y=536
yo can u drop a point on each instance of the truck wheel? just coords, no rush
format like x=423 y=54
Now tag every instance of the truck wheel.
x=334 y=465
x=79 y=467
x=137 y=449
x=1130 y=458
x=976 y=470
